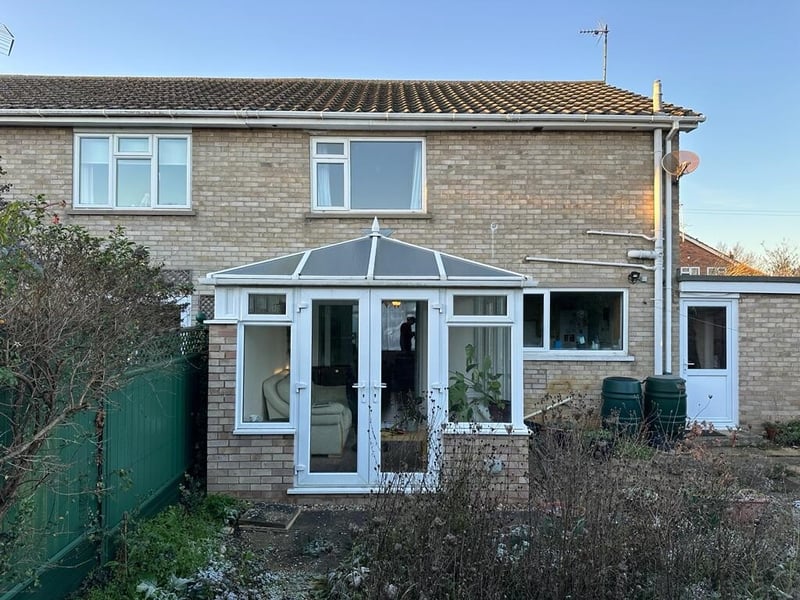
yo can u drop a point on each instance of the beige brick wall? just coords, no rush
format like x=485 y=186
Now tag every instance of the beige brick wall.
x=498 y=462
x=769 y=358
x=249 y=466
x=251 y=197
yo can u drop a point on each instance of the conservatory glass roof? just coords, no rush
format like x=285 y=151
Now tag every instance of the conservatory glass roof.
x=373 y=257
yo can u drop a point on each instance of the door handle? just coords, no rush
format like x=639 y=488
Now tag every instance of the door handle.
x=379 y=386
x=361 y=386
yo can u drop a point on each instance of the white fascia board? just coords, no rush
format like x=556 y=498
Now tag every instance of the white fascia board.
x=336 y=120
x=334 y=282
x=741 y=287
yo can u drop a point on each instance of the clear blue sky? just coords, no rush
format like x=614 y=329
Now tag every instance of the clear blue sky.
x=736 y=61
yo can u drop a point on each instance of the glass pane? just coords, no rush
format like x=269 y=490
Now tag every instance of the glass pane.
x=586 y=320
x=172 y=172
x=334 y=369
x=480 y=305
x=266 y=394
x=94 y=172
x=335 y=148
x=266 y=304
x=532 y=326
x=133 y=144
x=404 y=400
x=479 y=366
x=386 y=175
x=707 y=337
x=133 y=182
x=330 y=185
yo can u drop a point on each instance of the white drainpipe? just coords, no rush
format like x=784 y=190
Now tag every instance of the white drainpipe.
x=658 y=285
x=669 y=267
x=658 y=233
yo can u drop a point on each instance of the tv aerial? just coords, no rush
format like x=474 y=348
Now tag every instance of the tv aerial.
x=601 y=30
x=679 y=163
x=6 y=40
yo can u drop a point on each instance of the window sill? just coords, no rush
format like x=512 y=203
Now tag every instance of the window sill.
x=579 y=356
x=344 y=214
x=139 y=212
x=265 y=430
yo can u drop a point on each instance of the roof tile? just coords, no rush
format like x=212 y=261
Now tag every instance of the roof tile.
x=320 y=95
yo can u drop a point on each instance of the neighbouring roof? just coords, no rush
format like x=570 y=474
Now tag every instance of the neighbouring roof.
x=366 y=260
x=24 y=92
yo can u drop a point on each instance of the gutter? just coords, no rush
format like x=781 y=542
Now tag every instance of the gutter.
x=335 y=120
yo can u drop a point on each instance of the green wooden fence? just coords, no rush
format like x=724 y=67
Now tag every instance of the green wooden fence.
x=129 y=464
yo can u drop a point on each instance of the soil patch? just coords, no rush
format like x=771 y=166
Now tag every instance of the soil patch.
x=315 y=541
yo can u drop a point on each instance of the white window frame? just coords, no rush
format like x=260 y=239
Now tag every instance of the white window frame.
x=716 y=270
x=113 y=138
x=254 y=317
x=239 y=310
x=241 y=424
x=510 y=321
x=690 y=270
x=344 y=159
x=546 y=353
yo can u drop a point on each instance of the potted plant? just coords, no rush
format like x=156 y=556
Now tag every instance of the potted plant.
x=477 y=391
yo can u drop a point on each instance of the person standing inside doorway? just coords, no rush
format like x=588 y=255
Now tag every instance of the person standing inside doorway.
x=407 y=333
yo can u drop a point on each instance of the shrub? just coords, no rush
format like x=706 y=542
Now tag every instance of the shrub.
x=171 y=554
x=784 y=433
x=620 y=524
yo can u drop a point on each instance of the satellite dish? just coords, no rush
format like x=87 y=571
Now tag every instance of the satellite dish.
x=680 y=162
x=6 y=40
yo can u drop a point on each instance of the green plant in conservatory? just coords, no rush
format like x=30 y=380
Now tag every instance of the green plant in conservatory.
x=478 y=386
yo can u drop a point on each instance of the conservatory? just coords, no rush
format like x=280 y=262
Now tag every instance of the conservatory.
x=364 y=356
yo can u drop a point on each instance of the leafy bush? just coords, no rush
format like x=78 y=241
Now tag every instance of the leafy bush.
x=784 y=433
x=178 y=554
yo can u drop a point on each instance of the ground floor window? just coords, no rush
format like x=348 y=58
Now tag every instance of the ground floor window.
x=574 y=320
x=265 y=394
x=479 y=368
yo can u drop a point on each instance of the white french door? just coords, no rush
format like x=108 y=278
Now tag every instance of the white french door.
x=709 y=357
x=369 y=386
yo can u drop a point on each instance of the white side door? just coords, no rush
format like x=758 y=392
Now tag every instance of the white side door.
x=709 y=360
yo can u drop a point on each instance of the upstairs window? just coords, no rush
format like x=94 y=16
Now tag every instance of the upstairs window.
x=132 y=171
x=369 y=175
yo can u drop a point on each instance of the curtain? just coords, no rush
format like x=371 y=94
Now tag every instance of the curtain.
x=94 y=169
x=416 y=184
x=495 y=342
x=324 y=184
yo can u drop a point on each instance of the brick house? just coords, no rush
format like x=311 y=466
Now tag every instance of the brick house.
x=698 y=258
x=527 y=223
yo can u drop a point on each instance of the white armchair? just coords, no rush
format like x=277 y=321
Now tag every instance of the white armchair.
x=331 y=418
